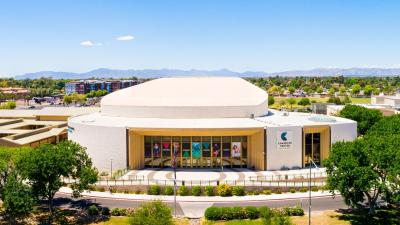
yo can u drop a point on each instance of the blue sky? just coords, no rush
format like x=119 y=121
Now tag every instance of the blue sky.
x=188 y=34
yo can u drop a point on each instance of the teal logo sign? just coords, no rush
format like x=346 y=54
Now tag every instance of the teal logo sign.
x=283 y=136
x=284 y=140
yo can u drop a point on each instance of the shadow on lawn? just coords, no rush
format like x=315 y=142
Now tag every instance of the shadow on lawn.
x=69 y=211
x=382 y=216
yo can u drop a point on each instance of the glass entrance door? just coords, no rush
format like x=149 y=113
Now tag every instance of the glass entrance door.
x=312 y=148
x=195 y=151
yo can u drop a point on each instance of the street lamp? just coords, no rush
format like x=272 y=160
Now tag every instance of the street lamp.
x=174 y=166
x=111 y=169
x=309 y=190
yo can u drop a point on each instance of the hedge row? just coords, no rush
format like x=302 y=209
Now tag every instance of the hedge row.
x=250 y=212
x=220 y=190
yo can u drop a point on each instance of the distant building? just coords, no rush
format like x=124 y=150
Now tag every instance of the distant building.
x=86 y=86
x=333 y=110
x=392 y=101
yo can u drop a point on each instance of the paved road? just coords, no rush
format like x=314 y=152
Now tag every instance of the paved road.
x=196 y=209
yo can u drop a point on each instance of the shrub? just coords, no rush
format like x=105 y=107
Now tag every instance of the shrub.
x=278 y=191
x=119 y=212
x=93 y=210
x=196 y=191
x=239 y=213
x=250 y=193
x=213 y=213
x=100 y=189
x=227 y=213
x=252 y=212
x=303 y=189
x=105 y=211
x=169 y=190
x=281 y=220
x=224 y=190
x=183 y=191
x=292 y=190
x=154 y=213
x=293 y=211
x=267 y=191
x=209 y=191
x=154 y=190
x=238 y=191
x=314 y=189
x=256 y=192
x=265 y=212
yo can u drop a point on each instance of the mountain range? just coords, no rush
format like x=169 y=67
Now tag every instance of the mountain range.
x=154 y=73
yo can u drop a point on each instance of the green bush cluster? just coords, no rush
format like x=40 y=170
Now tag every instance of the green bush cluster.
x=238 y=191
x=183 y=191
x=251 y=212
x=93 y=210
x=196 y=191
x=267 y=192
x=169 y=190
x=224 y=190
x=209 y=191
x=293 y=211
x=314 y=188
x=154 y=213
x=303 y=189
x=8 y=105
x=154 y=190
x=119 y=212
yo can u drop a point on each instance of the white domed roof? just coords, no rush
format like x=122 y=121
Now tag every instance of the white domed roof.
x=188 y=97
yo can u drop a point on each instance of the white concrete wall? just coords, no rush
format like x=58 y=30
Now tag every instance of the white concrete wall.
x=343 y=132
x=102 y=143
x=277 y=158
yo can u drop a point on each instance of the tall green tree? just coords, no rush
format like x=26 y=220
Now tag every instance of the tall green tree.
x=47 y=164
x=291 y=102
x=304 y=102
x=365 y=117
x=17 y=198
x=367 y=168
x=271 y=100
x=359 y=170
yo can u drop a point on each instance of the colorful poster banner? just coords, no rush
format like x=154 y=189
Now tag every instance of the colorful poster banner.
x=216 y=150
x=156 y=150
x=236 y=149
x=196 y=150
x=177 y=148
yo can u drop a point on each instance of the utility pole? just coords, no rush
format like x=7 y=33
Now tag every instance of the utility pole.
x=309 y=190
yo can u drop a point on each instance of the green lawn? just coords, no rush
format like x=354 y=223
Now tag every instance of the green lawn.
x=123 y=220
x=325 y=99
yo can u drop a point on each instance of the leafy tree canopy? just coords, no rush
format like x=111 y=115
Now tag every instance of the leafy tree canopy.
x=47 y=164
x=365 y=117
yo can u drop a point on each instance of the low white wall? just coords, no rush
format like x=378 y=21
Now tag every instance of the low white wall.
x=277 y=158
x=102 y=143
x=343 y=132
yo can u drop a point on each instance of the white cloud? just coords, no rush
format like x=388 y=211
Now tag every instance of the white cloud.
x=125 y=38
x=90 y=44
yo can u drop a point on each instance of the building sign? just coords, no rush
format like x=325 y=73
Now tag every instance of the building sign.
x=70 y=129
x=284 y=140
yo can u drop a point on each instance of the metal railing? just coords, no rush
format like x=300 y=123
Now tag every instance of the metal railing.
x=190 y=183
x=283 y=177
